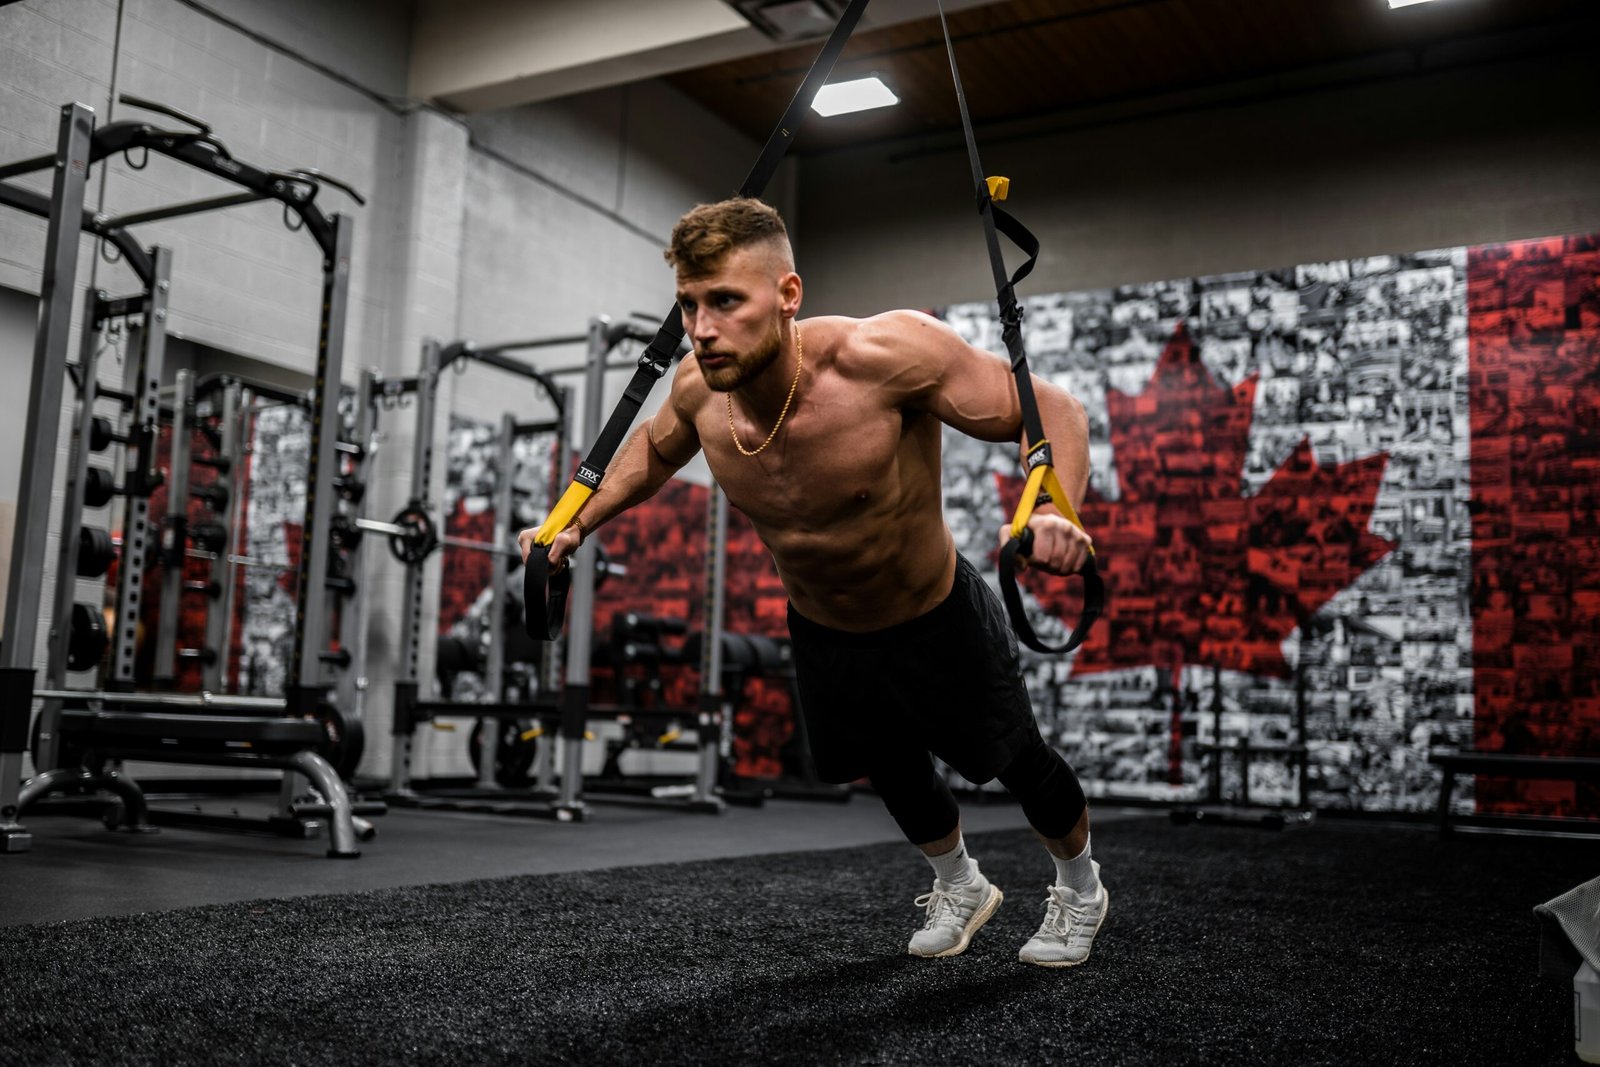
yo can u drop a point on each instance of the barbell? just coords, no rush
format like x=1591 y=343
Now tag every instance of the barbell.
x=414 y=536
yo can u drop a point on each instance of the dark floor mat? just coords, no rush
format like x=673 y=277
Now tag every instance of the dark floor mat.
x=1333 y=945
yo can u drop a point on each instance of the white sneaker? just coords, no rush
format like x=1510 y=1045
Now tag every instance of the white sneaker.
x=1070 y=922
x=955 y=913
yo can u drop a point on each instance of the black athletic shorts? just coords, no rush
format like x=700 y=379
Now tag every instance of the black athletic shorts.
x=946 y=682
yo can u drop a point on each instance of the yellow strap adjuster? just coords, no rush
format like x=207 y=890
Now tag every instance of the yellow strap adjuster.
x=1043 y=476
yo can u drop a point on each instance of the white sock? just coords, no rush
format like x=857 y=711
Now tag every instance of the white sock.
x=1077 y=873
x=955 y=866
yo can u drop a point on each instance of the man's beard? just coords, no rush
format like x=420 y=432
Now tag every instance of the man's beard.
x=741 y=370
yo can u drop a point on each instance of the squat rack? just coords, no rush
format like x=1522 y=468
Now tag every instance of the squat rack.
x=570 y=714
x=410 y=709
x=79 y=147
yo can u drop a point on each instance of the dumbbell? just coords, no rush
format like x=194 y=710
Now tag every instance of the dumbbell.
x=95 y=552
x=101 y=434
x=88 y=640
x=349 y=488
x=344 y=532
x=210 y=536
x=214 y=496
x=99 y=486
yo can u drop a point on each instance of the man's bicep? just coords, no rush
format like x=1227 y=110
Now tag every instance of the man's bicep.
x=976 y=393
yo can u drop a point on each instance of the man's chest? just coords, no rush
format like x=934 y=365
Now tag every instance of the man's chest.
x=828 y=461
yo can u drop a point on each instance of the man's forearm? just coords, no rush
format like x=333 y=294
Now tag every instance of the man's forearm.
x=635 y=475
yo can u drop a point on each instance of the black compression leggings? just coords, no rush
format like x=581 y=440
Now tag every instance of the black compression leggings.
x=921 y=803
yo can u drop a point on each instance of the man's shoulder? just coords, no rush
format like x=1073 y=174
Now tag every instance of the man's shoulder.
x=689 y=389
x=891 y=337
x=888 y=327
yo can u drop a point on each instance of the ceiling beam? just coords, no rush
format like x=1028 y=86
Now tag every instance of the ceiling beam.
x=488 y=54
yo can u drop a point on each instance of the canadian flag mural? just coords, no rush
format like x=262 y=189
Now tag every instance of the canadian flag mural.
x=1362 y=493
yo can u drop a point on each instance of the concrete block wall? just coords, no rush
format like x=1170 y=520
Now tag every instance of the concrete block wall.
x=51 y=54
x=611 y=171
x=242 y=281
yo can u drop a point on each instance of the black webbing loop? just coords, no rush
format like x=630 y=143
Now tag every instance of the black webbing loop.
x=996 y=220
x=1020 y=236
x=1094 y=596
x=544 y=595
x=544 y=608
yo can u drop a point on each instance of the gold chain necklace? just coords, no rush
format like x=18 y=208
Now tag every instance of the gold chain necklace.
x=799 y=361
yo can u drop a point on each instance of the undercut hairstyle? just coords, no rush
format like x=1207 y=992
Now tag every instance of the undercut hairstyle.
x=709 y=232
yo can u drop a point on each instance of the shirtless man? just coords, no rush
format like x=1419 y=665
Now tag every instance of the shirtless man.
x=827 y=435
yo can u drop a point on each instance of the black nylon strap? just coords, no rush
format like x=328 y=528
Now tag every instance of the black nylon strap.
x=544 y=594
x=996 y=220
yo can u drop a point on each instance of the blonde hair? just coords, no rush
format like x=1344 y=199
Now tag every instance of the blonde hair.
x=709 y=232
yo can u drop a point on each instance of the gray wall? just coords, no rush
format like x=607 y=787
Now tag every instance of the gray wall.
x=569 y=206
x=1468 y=156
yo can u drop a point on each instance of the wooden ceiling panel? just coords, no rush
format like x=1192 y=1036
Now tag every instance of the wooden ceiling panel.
x=1031 y=58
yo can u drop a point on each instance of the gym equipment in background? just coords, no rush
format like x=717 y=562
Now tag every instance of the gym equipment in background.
x=111 y=723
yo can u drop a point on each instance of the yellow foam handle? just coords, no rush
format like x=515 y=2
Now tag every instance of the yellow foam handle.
x=999 y=188
x=563 y=513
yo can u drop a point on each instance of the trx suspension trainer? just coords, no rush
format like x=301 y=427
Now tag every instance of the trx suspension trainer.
x=1041 y=472
x=545 y=594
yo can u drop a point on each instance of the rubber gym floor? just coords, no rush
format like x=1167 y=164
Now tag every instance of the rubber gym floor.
x=772 y=935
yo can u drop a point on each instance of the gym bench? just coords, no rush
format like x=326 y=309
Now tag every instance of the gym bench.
x=1508 y=765
x=252 y=741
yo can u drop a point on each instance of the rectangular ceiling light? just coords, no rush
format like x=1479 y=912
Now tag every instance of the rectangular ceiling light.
x=862 y=94
x=1405 y=3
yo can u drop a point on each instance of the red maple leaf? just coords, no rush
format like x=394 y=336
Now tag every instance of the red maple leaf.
x=1196 y=573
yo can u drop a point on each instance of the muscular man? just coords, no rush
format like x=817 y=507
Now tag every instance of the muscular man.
x=826 y=434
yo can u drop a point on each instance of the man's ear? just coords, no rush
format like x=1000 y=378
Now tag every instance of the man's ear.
x=790 y=292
